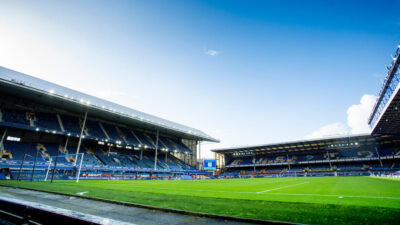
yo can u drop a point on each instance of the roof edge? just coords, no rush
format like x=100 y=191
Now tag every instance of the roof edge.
x=293 y=142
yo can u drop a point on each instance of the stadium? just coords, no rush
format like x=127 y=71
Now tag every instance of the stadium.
x=53 y=137
x=69 y=157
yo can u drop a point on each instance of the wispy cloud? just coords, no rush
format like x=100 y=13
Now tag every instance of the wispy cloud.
x=334 y=129
x=212 y=52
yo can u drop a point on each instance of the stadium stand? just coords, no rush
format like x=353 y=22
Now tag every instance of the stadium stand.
x=341 y=156
x=41 y=124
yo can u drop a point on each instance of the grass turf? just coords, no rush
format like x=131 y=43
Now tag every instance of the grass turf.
x=312 y=200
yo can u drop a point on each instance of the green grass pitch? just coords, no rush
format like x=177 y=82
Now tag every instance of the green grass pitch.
x=311 y=200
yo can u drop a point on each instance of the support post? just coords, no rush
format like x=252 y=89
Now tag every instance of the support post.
x=141 y=153
x=20 y=168
x=329 y=160
x=34 y=164
x=155 y=158
x=80 y=166
x=47 y=172
x=80 y=137
x=166 y=155
x=54 y=168
x=185 y=157
x=199 y=155
x=254 y=164
x=287 y=159
x=109 y=149
x=379 y=156
x=2 y=140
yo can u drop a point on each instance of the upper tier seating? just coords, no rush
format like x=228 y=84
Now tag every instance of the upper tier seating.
x=111 y=130
x=182 y=147
x=129 y=138
x=94 y=129
x=71 y=124
x=15 y=116
x=143 y=139
x=152 y=139
x=168 y=144
x=47 y=120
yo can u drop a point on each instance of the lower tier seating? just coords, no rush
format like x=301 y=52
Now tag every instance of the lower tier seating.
x=99 y=156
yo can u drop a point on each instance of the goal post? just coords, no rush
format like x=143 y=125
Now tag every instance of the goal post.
x=80 y=167
x=54 y=166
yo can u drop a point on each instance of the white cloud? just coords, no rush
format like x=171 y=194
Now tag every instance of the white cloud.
x=212 y=52
x=357 y=115
x=357 y=120
x=334 y=129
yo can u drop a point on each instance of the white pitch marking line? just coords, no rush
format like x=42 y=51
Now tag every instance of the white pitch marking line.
x=82 y=193
x=282 y=187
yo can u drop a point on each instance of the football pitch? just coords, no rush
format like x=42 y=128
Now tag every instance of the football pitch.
x=311 y=200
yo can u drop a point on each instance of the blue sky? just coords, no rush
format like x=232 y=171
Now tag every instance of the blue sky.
x=246 y=72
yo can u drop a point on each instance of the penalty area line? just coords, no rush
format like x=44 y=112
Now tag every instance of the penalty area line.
x=281 y=187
